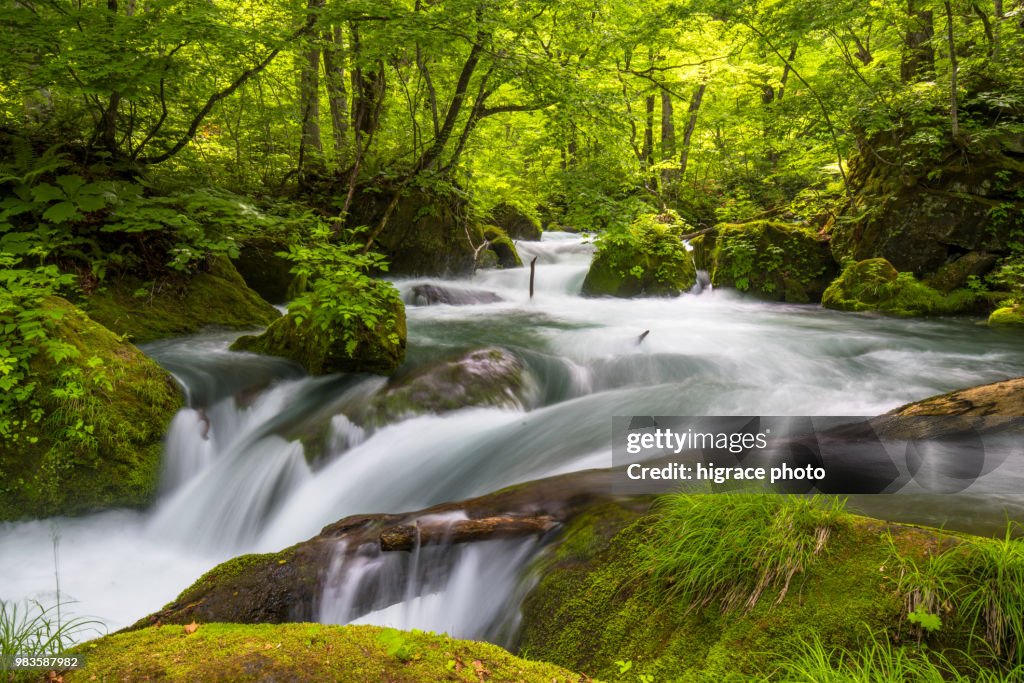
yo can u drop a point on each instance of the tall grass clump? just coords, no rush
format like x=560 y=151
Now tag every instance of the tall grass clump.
x=879 y=661
x=979 y=582
x=35 y=630
x=734 y=547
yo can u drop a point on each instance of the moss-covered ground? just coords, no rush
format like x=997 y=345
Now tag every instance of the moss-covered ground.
x=597 y=607
x=156 y=310
x=302 y=652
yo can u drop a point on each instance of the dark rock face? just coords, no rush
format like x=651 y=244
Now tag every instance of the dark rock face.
x=515 y=223
x=268 y=274
x=921 y=221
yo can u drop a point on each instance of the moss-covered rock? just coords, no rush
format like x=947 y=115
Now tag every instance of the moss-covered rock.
x=1009 y=315
x=98 y=439
x=268 y=274
x=594 y=607
x=429 y=233
x=997 y=398
x=958 y=273
x=484 y=377
x=149 y=311
x=646 y=259
x=345 y=346
x=771 y=260
x=919 y=215
x=875 y=285
x=503 y=248
x=515 y=222
x=302 y=652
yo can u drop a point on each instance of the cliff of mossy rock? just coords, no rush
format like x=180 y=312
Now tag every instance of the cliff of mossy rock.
x=313 y=653
x=769 y=259
x=593 y=607
x=924 y=216
x=429 y=233
x=156 y=310
x=646 y=259
x=98 y=439
x=344 y=346
x=875 y=285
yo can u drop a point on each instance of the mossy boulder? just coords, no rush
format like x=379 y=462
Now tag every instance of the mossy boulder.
x=921 y=215
x=875 y=285
x=263 y=270
x=98 y=438
x=145 y=312
x=429 y=233
x=771 y=260
x=1008 y=315
x=958 y=273
x=646 y=259
x=515 y=222
x=301 y=652
x=594 y=606
x=503 y=247
x=491 y=376
x=344 y=346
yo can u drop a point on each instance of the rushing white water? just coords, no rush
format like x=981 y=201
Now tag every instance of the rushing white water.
x=263 y=457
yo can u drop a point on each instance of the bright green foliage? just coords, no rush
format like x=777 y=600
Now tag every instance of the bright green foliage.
x=647 y=258
x=730 y=549
x=977 y=585
x=1010 y=315
x=874 y=285
x=772 y=260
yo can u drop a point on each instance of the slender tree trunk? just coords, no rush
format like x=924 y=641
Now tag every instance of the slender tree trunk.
x=953 y=67
x=668 y=141
x=786 y=71
x=648 y=149
x=918 y=61
x=691 y=125
x=107 y=130
x=337 y=96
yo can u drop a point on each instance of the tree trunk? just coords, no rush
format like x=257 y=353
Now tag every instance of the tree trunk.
x=337 y=96
x=408 y=537
x=918 y=61
x=953 y=67
x=668 y=140
x=648 y=150
x=691 y=124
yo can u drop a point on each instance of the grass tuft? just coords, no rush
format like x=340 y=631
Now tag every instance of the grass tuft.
x=735 y=547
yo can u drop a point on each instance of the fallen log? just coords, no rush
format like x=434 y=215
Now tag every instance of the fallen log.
x=406 y=537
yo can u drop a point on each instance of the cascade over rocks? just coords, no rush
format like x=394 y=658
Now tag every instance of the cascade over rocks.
x=283 y=587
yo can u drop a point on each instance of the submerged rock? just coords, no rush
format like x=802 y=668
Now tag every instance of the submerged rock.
x=515 y=222
x=150 y=311
x=646 y=259
x=769 y=259
x=302 y=653
x=431 y=295
x=875 y=285
x=345 y=346
x=490 y=376
x=98 y=442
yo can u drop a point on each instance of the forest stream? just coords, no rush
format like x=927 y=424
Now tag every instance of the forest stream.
x=236 y=478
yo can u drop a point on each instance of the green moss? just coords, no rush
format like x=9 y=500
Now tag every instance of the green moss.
x=232 y=569
x=771 y=260
x=149 y=311
x=1010 y=315
x=646 y=259
x=301 y=652
x=502 y=246
x=874 y=285
x=515 y=222
x=322 y=351
x=99 y=438
x=594 y=605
